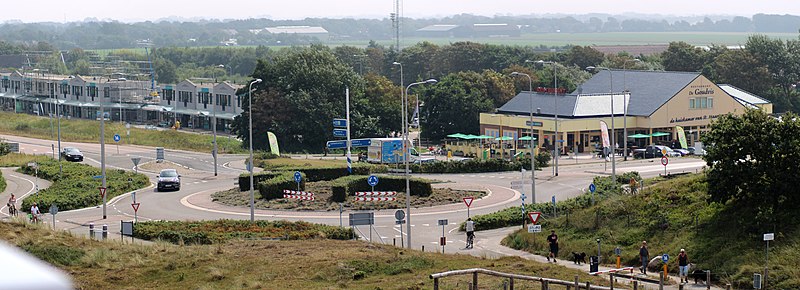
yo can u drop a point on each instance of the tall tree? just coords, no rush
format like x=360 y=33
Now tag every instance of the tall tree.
x=681 y=56
x=583 y=56
x=455 y=103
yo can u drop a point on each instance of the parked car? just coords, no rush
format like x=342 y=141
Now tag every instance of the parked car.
x=169 y=179
x=682 y=151
x=670 y=152
x=695 y=151
x=72 y=154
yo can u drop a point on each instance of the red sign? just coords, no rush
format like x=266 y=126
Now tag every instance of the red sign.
x=664 y=160
x=102 y=191
x=135 y=206
x=468 y=201
x=534 y=216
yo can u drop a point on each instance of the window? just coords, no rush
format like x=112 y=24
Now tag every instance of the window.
x=710 y=103
x=691 y=103
x=185 y=97
x=701 y=103
x=106 y=92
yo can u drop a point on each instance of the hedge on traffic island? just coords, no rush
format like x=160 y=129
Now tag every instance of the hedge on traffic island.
x=512 y=216
x=77 y=188
x=273 y=188
x=311 y=174
x=218 y=231
x=348 y=185
x=477 y=166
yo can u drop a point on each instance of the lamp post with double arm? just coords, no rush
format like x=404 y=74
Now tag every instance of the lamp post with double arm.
x=250 y=127
x=406 y=156
x=613 y=138
x=533 y=164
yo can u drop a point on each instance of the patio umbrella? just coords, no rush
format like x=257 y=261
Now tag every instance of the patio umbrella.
x=638 y=136
x=526 y=138
x=469 y=137
x=456 y=135
x=659 y=134
x=504 y=138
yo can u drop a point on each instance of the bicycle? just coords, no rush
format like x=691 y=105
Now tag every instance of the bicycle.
x=12 y=210
x=470 y=240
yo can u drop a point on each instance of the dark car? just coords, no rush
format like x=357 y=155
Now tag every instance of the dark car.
x=169 y=179
x=72 y=154
x=648 y=152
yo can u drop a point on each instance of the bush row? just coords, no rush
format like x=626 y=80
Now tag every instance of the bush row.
x=311 y=174
x=76 y=187
x=346 y=186
x=2 y=183
x=513 y=215
x=476 y=166
x=217 y=231
x=273 y=188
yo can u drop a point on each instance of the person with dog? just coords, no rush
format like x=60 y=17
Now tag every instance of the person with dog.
x=643 y=255
x=552 y=240
x=683 y=266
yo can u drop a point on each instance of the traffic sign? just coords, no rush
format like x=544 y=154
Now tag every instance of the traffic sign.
x=97 y=176
x=102 y=191
x=341 y=144
x=523 y=197
x=534 y=228
x=769 y=237
x=665 y=258
x=135 y=206
x=339 y=132
x=117 y=138
x=298 y=176
x=664 y=151
x=443 y=222
x=340 y=123
x=534 y=216
x=664 y=160
x=360 y=142
x=53 y=209
x=136 y=160
x=617 y=251
x=372 y=180
x=592 y=187
x=468 y=201
x=399 y=214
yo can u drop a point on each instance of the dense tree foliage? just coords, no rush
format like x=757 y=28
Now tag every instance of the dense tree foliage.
x=753 y=160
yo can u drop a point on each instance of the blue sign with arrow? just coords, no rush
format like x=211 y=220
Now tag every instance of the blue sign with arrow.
x=339 y=132
x=341 y=144
x=340 y=123
x=592 y=187
x=372 y=180
x=117 y=138
x=665 y=258
x=298 y=177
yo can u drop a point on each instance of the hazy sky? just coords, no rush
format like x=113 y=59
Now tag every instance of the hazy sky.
x=59 y=11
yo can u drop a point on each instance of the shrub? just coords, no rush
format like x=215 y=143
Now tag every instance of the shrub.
x=273 y=188
x=471 y=166
x=54 y=254
x=312 y=174
x=208 y=232
x=345 y=186
x=244 y=179
x=76 y=187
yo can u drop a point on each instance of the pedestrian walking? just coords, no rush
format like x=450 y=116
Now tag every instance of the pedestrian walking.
x=552 y=240
x=644 y=255
x=683 y=266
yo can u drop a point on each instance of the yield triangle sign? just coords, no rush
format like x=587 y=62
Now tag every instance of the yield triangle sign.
x=102 y=191
x=135 y=206
x=468 y=201
x=534 y=216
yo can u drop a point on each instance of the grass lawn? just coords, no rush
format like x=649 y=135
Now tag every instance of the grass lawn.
x=246 y=264
x=79 y=130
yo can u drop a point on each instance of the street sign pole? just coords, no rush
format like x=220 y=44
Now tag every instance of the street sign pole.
x=767 y=238
x=347 y=104
x=135 y=208
x=103 y=153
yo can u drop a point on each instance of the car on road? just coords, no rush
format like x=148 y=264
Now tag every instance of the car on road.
x=169 y=179
x=695 y=151
x=72 y=154
x=670 y=152
x=682 y=151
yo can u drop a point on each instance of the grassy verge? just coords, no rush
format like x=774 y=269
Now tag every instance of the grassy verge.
x=307 y=264
x=76 y=187
x=207 y=232
x=79 y=130
x=17 y=160
x=323 y=194
x=2 y=182
x=671 y=215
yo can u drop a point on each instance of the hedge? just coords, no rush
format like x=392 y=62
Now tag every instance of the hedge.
x=345 y=186
x=77 y=188
x=208 y=232
x=273 y=188
x=513 y=215
x=477 y=166
x=2 y=183
x=311 y=174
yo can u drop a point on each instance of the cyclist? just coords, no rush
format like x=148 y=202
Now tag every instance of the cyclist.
x=12 y=205
x=470 y=227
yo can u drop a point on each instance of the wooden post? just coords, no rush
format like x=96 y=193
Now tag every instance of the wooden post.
x=544 y=285
x=475 y=280
x=510 y=283
x=708 y=279
x=577 y=284
x=611 y=277
x=435 y=283
x=727 y=286
x=660 y=281
x=588 y=285
x=635 y=285
x=680 y=286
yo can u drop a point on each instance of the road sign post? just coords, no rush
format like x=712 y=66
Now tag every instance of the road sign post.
x=443 y=239
x=592 y=188
x=555 y=211
x=665 y=161
x=298 y=177
x=136 y=161
x=618 y=251
x=372 y=180
x=665 y=259
x=468 y=201
x=767 y=237
x=117 y=138
x=135 y=206
x=53 y=212
x=400 y=216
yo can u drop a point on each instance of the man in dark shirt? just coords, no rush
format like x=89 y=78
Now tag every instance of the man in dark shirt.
x=683 y=266
x=644 y=255
x=552 y=240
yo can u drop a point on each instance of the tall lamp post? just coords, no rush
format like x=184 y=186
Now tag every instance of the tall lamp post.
x=625 y=108
x=556 y=143
x=405 y=157
x=533 y=164
x=403 y=130
x=613 y=136
x=250 y=120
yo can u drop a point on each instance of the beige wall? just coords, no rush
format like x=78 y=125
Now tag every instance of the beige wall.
x=676 y=111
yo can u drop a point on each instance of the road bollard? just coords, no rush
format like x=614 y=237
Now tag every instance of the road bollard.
x=661 y=281
x=635 y=285
x=105 y=232
x=423 y=248
x=708 y=279
x=394 y=242
x=91 y=231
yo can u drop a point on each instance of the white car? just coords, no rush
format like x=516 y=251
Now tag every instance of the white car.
x=670 y=152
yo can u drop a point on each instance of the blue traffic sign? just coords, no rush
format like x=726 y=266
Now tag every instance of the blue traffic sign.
x=97 y=176
x=298 y=177
x=665 y=258
x=117 y=138
x=339 y=132
x=341 y=144
x=554 y=200
x=340 y=123
x=592 y=187
x=372 y=180
x=360 y=142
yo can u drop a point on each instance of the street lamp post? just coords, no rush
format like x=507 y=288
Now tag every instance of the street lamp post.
x=556 y=143
x=625 y=108
x=613 y=138
x=250 y=120
x=360 y=63
x=405 y=157
x=533 y=164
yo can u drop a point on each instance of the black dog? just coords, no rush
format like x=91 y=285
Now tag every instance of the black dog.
x=579 y=257
x=698 y=275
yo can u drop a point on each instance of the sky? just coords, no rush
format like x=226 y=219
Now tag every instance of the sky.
x=140 y=10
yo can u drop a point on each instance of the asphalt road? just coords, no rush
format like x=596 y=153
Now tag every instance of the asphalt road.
x=193 y=201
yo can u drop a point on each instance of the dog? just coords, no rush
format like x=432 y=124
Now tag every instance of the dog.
x=579 y=257
x=697 y=275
